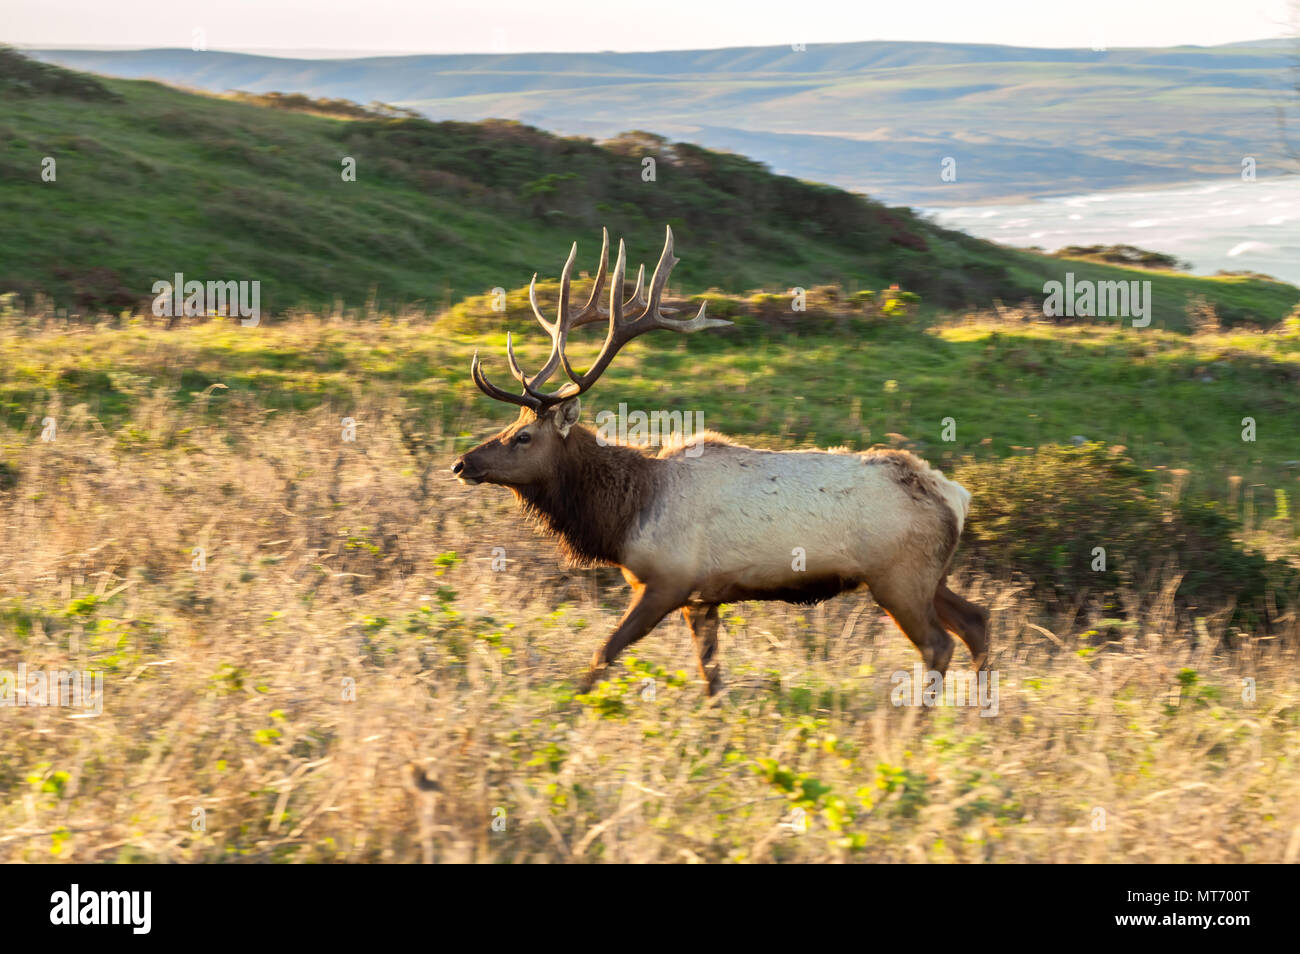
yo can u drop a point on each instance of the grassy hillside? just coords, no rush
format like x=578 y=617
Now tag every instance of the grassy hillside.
x=874 y=117
x=152 y=181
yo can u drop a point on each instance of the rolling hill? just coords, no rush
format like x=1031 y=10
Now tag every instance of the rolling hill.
x=875 y=117
x=153 y=180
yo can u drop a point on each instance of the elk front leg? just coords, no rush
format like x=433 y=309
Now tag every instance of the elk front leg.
x=650 y=604
x=703 y=620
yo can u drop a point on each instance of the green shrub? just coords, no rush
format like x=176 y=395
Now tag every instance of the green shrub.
x=23 y=76
x=1043 y=517
x=720 y=304
x=1123 y=255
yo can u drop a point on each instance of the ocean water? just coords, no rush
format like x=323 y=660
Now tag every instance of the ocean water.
x=1222 y=224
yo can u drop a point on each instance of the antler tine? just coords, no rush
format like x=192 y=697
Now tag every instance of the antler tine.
x=662 y=270
x=564 y=322
x=653 y=315
x=537 y=312
x=616 y=292
x=592 y=310
x=667 y=261
x=614 y=337
x=562 y=311
x=492 y=391
x=638 y=294
x=515 y=371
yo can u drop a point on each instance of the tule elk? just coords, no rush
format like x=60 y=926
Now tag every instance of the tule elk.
x=709 y=521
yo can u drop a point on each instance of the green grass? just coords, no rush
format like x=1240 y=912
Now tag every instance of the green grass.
x=1174 y=400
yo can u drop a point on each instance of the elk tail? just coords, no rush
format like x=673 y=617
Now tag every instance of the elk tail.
x=958 y=498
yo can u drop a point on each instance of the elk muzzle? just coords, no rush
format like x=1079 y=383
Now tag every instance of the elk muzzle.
x=465 y=473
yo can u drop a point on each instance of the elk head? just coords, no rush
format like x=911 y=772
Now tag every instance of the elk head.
x=526 y=453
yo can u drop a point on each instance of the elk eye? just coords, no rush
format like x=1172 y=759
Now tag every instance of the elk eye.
x=523 y=437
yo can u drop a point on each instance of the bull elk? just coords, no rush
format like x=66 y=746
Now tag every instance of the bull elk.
x=723 y=523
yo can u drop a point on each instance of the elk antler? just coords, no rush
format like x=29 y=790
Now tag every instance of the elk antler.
x=621 y=330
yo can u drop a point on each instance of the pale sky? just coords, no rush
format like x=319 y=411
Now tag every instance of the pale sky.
x=481 y=26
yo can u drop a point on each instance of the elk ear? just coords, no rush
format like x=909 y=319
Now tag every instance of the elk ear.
x=566 y=415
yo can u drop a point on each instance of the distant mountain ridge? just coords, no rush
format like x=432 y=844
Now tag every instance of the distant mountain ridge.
x=878 y=117
x=870 y=54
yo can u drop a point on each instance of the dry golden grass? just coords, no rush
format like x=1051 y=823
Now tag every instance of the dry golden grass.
x=329 y=561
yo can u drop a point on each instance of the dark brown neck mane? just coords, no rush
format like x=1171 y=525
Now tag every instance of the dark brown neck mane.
x=592 y=501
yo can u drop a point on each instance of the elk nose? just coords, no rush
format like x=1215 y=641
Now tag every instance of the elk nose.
x=458 y=467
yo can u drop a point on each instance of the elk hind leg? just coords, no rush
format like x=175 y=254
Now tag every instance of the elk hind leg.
x=703 y=621
x=964 y=619
x=910 y=603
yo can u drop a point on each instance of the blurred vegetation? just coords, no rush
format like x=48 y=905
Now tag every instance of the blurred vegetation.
x=1186 y=494
x=1123 y=255
x=348 y=676
x=321 y=106
x=21 y=76
x=1085 y=523
x=823 y=308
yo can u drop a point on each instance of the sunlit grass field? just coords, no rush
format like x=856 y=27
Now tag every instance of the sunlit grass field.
x=312 y=650
x=1172 y=400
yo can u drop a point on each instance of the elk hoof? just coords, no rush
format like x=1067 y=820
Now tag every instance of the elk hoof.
x=588 y=680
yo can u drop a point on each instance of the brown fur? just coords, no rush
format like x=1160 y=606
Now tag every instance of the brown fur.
x=593 y=499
